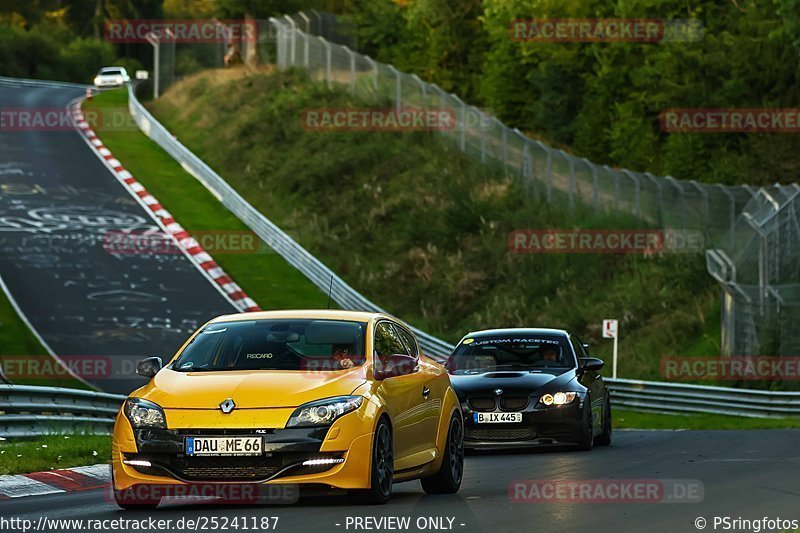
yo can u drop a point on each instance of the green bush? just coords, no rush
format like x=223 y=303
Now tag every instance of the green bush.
x=604 y=100
x=50 y=52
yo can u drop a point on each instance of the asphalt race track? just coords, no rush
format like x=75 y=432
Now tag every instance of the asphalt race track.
x=744 y=474
x=58 y=201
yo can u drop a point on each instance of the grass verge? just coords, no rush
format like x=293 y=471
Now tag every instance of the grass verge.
x=20 y=456
x=626 y=419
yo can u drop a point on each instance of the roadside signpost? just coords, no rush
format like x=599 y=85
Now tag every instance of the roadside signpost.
x=611 y=331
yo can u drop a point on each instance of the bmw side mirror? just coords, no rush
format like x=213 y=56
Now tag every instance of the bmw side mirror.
x=592 y=364
x=148 y=367
x=397 y=365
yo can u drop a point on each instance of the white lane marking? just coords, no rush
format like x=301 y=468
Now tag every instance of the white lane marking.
x=19 y=486
x=99 y=471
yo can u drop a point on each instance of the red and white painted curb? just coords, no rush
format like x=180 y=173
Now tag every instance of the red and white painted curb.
x=55 y=481
x=185 y=241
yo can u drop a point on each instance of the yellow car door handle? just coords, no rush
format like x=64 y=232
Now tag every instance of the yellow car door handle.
x=425 y=392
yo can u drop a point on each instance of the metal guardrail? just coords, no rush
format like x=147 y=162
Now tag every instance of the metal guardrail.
x=26 y=82
x=683 y=398
x=297 y=256
x=28 y=410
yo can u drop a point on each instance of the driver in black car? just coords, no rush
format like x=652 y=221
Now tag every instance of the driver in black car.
x=550 y=354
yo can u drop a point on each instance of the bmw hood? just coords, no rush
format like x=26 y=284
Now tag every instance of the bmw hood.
x=260 y=389
x=510 y=382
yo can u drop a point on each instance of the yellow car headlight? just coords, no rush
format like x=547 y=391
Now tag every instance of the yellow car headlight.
x=144 y=414
x=559 y=398
x=323 y=412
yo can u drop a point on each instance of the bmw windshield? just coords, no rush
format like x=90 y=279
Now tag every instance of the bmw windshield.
x=306 y=345
x=547 y=353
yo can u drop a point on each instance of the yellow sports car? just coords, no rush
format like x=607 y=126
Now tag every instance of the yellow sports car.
x=335 y=398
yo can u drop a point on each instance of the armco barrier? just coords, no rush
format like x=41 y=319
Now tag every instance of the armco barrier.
x=31 y=410
x=686 y=398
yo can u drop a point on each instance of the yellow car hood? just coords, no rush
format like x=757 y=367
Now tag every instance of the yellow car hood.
x=249 y=389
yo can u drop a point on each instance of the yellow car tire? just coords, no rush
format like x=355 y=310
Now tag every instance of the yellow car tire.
x=448 y=479
x=381 y=466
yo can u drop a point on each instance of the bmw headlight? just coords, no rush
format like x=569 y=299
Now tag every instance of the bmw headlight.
x=144 y=414
x=559 y=398
x=323 y=412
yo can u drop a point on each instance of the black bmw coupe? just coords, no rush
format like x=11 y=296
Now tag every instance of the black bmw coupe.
x=529 y=387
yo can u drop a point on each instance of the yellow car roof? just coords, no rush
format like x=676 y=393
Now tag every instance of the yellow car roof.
x=325 y=314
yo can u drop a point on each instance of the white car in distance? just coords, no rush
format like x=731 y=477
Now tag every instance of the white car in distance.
x=111 y=77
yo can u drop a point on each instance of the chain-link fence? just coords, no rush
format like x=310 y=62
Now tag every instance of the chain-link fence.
x=759 y=273
x=246 y=42
x=751 y=233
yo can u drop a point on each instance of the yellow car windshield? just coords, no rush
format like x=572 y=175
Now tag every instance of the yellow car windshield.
x=281 y=344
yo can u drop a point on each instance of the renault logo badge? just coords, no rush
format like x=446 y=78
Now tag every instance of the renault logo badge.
x=227 y=406
x=498 y=392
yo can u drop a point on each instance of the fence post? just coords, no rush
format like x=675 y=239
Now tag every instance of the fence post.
x=677 y=185
x=463 y=133
x=374 y=72
x=306 y=53
x=318 y=18
x=527 y=169
x=328 y=76
x=595 y=187
x=352 y=69
x=571 y=181
x=481 y=133
x=422 y=87
x=308 y=21
x=504 y=129
x=660 y=196
x=637 y=189
x=615 y=175
x=294 y=37
x=398 y=89
x=704 y=194
x=548 y=172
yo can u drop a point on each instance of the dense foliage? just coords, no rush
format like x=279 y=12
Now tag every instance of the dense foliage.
x=603 y=100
